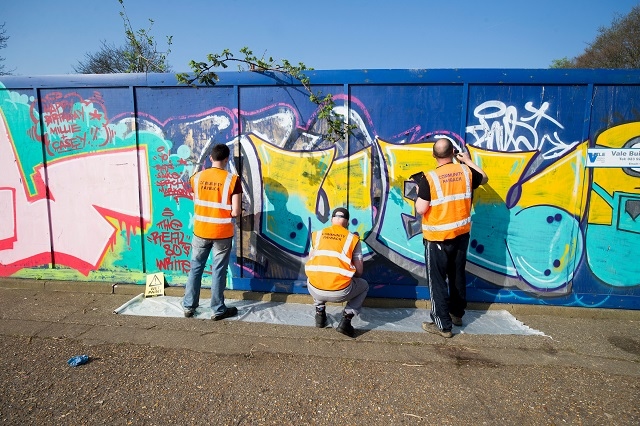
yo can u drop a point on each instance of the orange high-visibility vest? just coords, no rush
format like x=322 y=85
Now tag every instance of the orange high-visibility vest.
x=330 y=266
x=449 y=213
x=212 y=203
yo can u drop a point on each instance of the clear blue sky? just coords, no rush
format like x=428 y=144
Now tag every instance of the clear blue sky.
x=49 y=37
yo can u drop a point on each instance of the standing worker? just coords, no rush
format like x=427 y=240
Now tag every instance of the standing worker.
x=444 y=201
x=334 y=268
x=217 y=200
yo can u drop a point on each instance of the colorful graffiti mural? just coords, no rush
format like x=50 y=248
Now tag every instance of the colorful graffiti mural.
x=94 y=183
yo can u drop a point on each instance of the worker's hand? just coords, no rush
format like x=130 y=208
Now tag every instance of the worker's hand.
x=463 y=157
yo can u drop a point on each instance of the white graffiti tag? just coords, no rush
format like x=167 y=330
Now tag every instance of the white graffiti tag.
x=501 y=129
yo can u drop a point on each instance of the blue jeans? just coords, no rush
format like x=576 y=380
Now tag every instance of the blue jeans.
x=200 y=250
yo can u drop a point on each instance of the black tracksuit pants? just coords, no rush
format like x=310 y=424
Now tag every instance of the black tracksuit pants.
x=446 y=261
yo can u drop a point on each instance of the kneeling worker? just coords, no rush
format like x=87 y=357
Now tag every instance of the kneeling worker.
x=333 y=270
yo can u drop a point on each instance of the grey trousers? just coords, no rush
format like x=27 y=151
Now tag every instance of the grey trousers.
x=354 y=294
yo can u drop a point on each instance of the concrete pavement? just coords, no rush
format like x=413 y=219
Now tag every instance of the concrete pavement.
x=591 y=343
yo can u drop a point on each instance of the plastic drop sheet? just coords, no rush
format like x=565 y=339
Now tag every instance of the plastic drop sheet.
x=388 y=319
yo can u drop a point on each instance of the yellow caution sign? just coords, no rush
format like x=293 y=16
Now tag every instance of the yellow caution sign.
x=155 y=285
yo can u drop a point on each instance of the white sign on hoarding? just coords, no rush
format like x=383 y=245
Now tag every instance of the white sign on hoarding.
x=618 y=157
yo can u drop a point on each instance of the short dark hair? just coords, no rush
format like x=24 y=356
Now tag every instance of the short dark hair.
x=220 y=152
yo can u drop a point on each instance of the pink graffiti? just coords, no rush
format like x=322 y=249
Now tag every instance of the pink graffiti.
x=69 y=227
x=169 y=182
x=8 y=223
x=71 y=122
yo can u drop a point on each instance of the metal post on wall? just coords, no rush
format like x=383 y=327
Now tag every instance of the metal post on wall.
x=41 y=132
x=463 y=112
x=132 y=93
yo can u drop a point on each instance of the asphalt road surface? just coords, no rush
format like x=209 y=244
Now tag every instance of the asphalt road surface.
x=162 y=371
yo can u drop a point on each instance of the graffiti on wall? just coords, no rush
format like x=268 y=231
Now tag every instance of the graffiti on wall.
x=92 y=196
x=171 y=237
x=614 y=211
x=55 y=213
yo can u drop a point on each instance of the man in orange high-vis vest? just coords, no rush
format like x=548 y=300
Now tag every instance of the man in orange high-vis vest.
x=217 y=200
x=333 y=270
x=444 y=201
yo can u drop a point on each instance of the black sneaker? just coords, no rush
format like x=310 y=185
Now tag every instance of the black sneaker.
x=345 y=326
x=321 y=318
x=456 y=320
x=231 y=311
x=188 y=313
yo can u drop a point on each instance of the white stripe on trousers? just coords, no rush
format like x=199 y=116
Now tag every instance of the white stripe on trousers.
x=434 y=317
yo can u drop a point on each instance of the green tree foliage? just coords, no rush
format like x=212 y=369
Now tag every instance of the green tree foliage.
x=140 y=53
x=561 y=63
x=616 y=46
x=204 y=73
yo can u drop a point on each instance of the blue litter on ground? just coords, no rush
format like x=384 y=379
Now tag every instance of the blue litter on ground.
x=78 y=360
